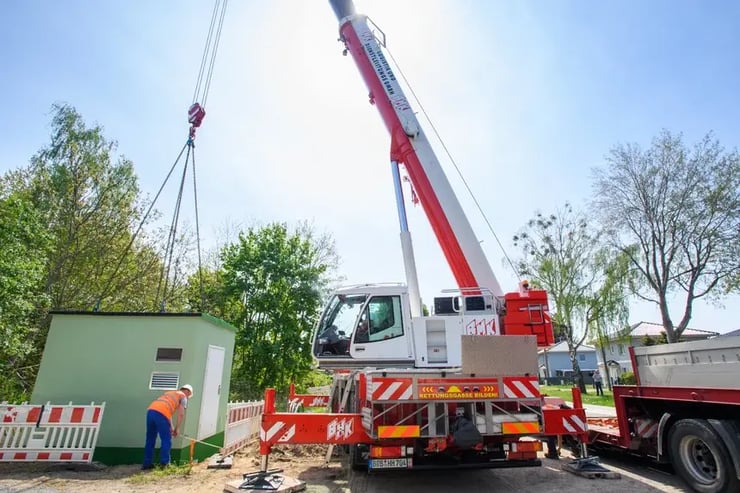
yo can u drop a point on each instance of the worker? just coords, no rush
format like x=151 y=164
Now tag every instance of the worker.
x=524 y=288
x=598 y=383
x=159 y=421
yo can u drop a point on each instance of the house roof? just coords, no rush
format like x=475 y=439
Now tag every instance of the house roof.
x=735 y=332
x=562 y=347
x=641 y=329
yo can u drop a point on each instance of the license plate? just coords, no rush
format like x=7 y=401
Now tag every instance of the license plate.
x=404 y=463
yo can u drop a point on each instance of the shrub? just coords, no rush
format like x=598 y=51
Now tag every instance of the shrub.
x=627 y=378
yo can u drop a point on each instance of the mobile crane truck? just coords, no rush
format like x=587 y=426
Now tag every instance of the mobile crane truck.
x=457 y=388
x=684 y=410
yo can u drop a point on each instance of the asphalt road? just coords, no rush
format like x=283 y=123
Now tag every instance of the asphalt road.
x=548 y=478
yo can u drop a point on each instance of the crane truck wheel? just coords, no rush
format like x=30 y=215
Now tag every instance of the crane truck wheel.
x=358 y=456
x=701 y=458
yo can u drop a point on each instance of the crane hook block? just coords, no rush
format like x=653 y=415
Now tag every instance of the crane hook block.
x=196 y=113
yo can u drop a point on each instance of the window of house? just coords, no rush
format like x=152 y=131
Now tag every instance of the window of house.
x=582 y=357
x=621 y=349
x=169 y=354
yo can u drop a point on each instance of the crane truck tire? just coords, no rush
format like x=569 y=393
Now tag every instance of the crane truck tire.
x=358 y=457
x=701 y=458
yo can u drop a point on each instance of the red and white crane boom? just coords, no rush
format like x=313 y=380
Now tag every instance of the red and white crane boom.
x=410 y=146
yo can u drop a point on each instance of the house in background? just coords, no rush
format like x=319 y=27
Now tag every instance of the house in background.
x=618 y=356
x=555 y=365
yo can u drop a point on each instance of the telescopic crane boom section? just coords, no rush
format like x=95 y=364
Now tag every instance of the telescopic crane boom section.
x=409 y=145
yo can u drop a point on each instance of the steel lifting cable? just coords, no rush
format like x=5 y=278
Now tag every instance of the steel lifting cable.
x=196 y=113
x=454 y=163
x=104 y=293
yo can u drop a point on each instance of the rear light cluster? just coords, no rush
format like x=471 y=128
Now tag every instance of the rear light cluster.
x=392 y=452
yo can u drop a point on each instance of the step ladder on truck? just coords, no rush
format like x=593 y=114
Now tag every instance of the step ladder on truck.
x=457 y=388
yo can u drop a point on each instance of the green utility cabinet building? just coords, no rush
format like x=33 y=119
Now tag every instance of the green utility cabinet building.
x=127 y=360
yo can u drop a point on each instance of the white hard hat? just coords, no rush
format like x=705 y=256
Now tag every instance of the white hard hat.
x=189 y=388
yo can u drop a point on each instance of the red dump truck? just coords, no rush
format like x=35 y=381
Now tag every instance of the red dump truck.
x=684 y=410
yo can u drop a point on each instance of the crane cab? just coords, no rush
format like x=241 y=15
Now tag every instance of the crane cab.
x=371 y=326
x=366 y=325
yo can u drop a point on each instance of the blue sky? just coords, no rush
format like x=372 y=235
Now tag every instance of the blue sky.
x=528 y=96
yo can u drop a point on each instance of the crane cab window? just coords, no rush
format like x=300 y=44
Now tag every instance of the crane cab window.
x=381 y=320
x=337 y=324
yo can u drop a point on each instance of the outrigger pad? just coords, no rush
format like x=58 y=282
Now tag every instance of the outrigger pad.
x=589 y=467
x=269 y=480
x=218 y=461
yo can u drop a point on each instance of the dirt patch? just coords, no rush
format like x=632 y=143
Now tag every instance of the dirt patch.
x=306 y=463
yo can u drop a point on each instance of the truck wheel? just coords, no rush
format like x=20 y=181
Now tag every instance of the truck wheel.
x=701 y=458
x=358 y=457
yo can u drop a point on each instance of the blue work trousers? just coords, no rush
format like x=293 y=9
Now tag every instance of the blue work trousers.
x=157 y=424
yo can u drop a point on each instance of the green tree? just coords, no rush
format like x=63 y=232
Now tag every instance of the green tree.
x=608 y=313
x=25 y=245
x=562 y=254
x=675 y=212
x=92 y=207
x=271 y=284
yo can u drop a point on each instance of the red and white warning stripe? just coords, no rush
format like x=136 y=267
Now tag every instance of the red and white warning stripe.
x=391 y=389
x=51 y=414
x=646 y=428
x=267 y=435
x=241 y=412
x=574 y=424
x=39 y=456
x=521 y=387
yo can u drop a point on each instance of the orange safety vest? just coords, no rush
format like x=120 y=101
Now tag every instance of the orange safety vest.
x=167 y=403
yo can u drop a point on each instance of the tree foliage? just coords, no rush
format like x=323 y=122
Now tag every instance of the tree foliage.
x=91 y=206
x=675 y=213
x=562 y=253
x=25 y=244
x=271 y=287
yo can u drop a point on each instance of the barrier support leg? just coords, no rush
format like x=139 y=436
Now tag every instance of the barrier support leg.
x=578 y=404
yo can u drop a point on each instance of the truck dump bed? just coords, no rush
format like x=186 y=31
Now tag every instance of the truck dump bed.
x=711 y=363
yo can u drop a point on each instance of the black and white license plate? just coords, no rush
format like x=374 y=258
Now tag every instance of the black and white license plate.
x=404 y=463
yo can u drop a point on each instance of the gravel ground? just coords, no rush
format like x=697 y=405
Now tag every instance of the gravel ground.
x=307 y=464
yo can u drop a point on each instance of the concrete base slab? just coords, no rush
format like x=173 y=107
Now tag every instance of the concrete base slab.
x=270 y=481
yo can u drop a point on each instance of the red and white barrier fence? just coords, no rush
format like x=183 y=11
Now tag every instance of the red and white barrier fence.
x=242 y=424
x=46 y=432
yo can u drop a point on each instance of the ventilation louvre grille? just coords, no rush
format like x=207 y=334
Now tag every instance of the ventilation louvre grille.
x=164 y=381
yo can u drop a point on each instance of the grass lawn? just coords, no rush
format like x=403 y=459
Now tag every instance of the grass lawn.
x=564 y=392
